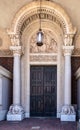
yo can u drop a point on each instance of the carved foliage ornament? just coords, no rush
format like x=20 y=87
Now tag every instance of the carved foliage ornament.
x=68 y=39
x=15 y=40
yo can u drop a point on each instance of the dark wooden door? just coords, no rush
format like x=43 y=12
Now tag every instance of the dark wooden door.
x=43 y=87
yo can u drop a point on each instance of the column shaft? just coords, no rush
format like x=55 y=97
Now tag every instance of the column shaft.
x=67 y=86
x=16 y=79
x=68 y=112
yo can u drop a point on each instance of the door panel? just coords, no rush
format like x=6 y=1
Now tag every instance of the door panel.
x=43 y=84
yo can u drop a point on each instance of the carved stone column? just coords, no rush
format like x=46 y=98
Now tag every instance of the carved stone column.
x=68 y=112
x=67 y=82
x=16 y=111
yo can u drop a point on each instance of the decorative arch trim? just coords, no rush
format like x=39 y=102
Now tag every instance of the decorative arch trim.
x=48 y=7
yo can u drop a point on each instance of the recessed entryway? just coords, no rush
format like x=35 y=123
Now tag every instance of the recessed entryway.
x=43 y=91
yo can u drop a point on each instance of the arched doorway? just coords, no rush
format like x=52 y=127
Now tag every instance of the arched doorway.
x=58 y=32
x=49 y=54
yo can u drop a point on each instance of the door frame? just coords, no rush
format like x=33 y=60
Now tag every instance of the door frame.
x=55 y=90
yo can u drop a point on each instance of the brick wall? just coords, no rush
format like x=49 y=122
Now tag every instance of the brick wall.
x=75 y=62
x=7 y=62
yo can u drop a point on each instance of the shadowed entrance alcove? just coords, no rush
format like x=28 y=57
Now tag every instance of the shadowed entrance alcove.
x=50 y=54
x=58 y=32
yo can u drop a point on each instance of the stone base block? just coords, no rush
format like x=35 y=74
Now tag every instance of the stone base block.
x=27 y=115
x=68 y=117
x=3 y=114
x=15 y=117
x=68 y=113
x=58 y=114
x=15 y=113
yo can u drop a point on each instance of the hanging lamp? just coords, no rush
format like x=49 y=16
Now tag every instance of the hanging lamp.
x=40 y=33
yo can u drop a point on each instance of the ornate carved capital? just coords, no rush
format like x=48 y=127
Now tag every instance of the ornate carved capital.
x=15 y=40
x=67 y=50
x=17 y=50
x=68 y=39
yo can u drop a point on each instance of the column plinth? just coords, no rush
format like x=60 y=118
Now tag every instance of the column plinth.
x=16 y=111
x=68 y=112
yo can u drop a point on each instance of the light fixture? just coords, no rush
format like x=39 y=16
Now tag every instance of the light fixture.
x=40 y=33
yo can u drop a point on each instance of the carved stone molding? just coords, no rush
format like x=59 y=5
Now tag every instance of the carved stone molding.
x=68 y=39
x=77 y=41
x=43 y=58
x=17 y=50
x=6 y=53
x=52 y=10
x=49 y=44
x=67 y=50
x=43 y=15
x=76 y=52
x=15 y=40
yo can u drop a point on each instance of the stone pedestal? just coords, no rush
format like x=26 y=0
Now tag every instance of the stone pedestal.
x=68 y=113
x=15 y=113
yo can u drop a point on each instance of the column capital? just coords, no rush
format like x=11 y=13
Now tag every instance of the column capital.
x=68 y=39
x=67 y=50
x=17 y=50
x=15 y=39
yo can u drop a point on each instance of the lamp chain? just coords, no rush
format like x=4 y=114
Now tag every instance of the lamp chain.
x=40 y=14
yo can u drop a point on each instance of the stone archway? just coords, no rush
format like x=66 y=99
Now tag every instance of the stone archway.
x=25 y=20
x=48 y=7
x=46 y=55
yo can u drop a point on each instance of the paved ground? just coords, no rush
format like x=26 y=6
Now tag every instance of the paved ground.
x=38 y=124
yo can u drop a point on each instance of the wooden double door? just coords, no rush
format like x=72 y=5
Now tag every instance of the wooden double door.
x=43 y=91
